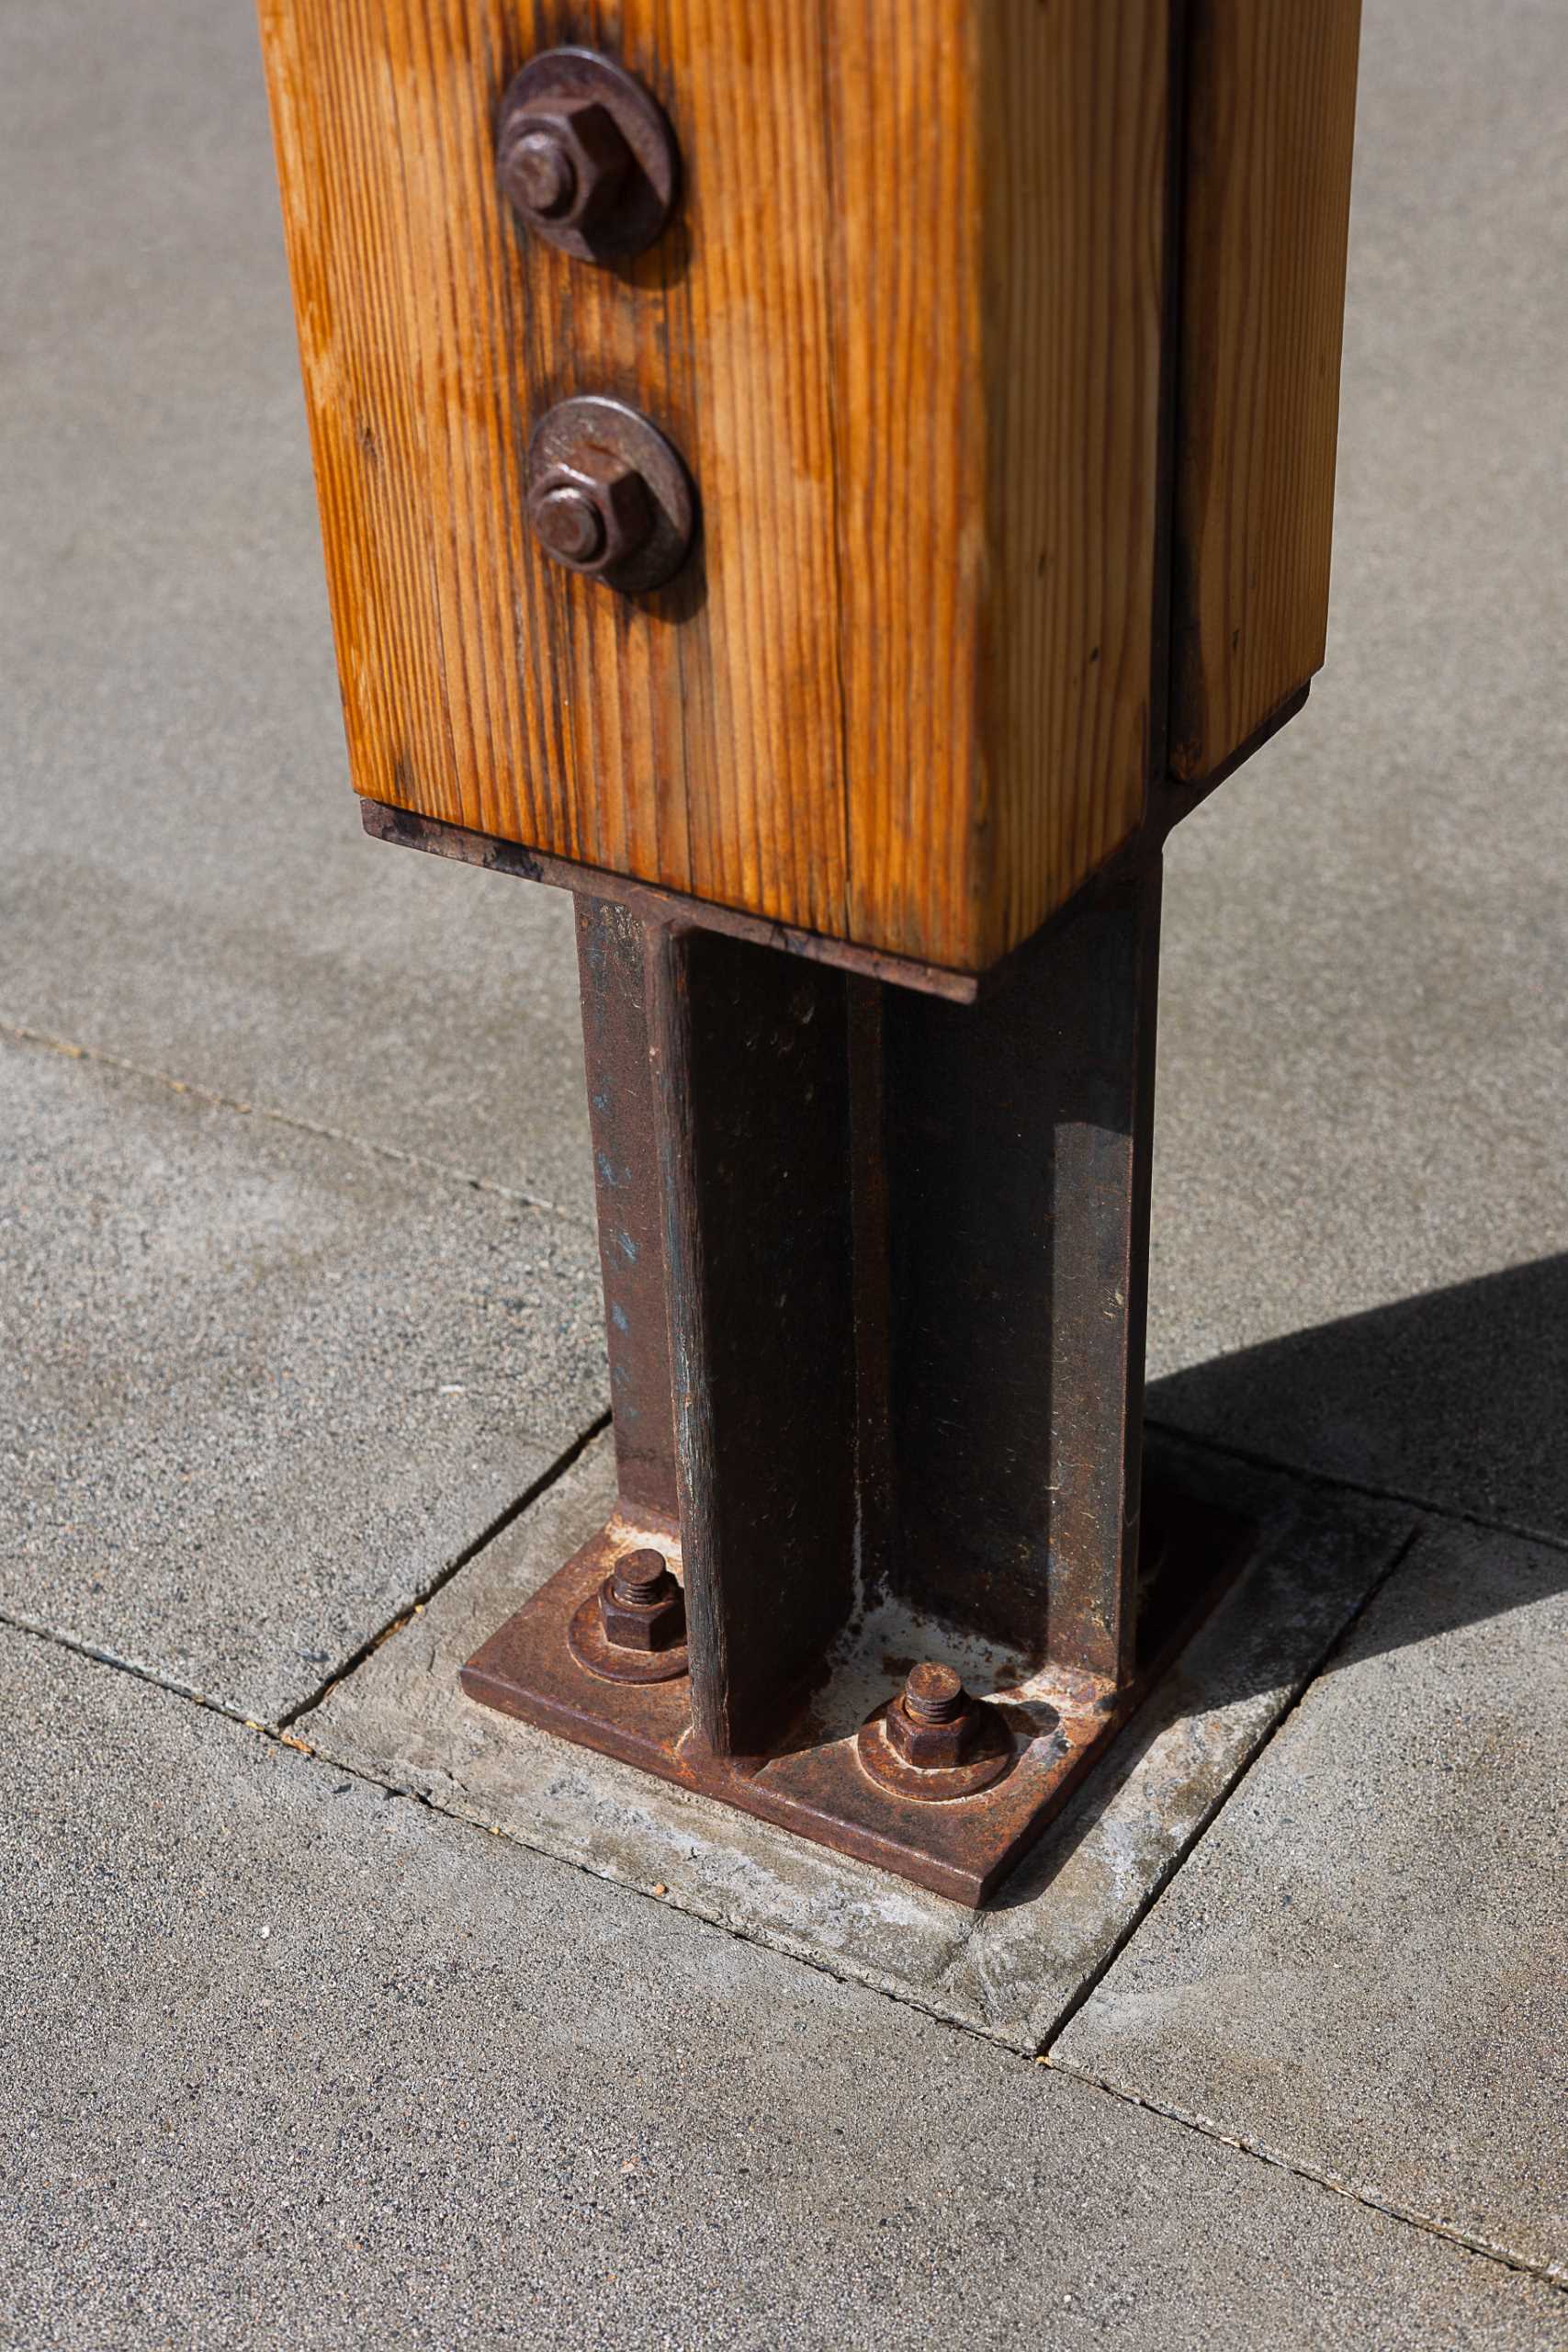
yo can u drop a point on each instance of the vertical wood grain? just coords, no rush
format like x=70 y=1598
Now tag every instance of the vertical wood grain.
x=1000 y=195
x=902 y=86
x=906 y=330
x=749 y=334
x=1078 y=98
x=346 y=235
x=1270 y=119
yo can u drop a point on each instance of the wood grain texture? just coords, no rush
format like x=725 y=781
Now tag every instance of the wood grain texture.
x=1271 y=121
x=999 y=272
x=906 y=330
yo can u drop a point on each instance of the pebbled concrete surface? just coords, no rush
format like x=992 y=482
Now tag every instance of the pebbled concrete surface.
x=357 y=2077
x=1363 y=1967
x=401 y=2116
x=1364 y=1062
x=1012 y=1971
x=1454 y=1397
x=185 y=880
x=257 y=1389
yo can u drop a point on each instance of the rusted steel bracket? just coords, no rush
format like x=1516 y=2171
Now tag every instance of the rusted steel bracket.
x=866 y=844
x=875 y=1272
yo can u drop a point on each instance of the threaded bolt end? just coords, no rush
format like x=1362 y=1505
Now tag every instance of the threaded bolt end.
x=639 y=1577
x=541 y=178
x=934 y=1694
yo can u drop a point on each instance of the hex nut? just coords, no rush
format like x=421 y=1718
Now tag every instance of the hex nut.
x=657 y=1622
x=617 y=495
x=592 y=456
x=568 y=524
x=564 y=162
x=931 y=1747
x=585 y=155
x=540 y=178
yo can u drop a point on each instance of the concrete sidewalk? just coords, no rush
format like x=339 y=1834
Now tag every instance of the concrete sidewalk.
x=309 y=2043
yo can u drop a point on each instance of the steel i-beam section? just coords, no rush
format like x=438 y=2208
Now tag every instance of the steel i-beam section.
x=874 y=1272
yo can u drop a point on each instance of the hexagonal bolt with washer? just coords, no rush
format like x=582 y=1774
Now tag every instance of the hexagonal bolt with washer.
x=585 y=155
x=591 y=512
x=563 y=165
x=933 y=1720
x=608 y=496
x=641 y=1607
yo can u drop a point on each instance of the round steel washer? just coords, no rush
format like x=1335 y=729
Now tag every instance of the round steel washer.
x=594 y=420
x=996 y=1752
x=606 y=1661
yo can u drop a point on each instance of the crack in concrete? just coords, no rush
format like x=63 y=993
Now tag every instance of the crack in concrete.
x=69 y=1050
x=1552 y=2274
x=426 y=1592
x=281 y=1736
x=1335 y=1483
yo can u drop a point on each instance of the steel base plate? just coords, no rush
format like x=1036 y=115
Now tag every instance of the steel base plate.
x=817 y=1785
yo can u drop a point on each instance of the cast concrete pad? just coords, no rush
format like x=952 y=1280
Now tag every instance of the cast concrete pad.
x=303 y=2065
x=1362 y=1968
x=185 y=882
x=1364 y=1060
x=1013 y=1970
x=256 y=1388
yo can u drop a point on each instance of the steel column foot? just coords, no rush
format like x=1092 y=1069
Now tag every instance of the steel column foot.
x=875 y=1275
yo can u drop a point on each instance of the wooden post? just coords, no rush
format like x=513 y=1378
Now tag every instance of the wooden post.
x=833 y=486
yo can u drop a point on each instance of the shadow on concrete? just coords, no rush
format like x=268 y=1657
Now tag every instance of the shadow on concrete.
x=1453 y=1402
x=1457 y=1399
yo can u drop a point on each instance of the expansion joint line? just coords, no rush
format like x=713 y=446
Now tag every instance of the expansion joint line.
x=282 y=1728
x=427 y=1591
x=19 y=1033
x=1487 y=2249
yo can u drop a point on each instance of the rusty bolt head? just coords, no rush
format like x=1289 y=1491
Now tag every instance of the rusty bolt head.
x=585 y=155
x=641 y=1607
x=932 y=1722
x=541 y=173
x=563 y=163
x=592 y=460
x=568 y=524
x=592 y=510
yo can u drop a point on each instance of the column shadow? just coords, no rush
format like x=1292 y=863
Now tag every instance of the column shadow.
x=1456 y=1400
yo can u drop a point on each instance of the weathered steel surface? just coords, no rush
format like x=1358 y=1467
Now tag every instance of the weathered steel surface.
x=875 y=1273
x=613 y=951
x=1018 y=1154
x=752 y=1105
x=718 y=1088
x=815 y=1782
